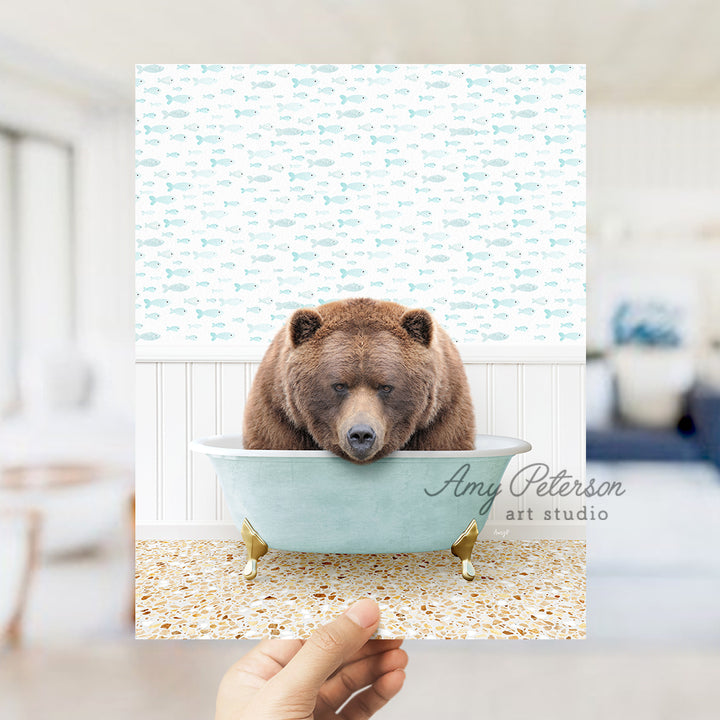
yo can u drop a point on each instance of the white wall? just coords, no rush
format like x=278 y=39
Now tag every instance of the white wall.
x=178 y=495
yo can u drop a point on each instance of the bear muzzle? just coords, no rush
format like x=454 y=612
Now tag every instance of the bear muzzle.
x=361 y=439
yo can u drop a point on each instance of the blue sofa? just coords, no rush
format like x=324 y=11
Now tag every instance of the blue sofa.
x=696 y=437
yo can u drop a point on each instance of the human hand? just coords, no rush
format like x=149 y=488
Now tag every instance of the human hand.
x=312 y=679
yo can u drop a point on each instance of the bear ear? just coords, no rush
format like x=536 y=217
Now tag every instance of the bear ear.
x=419 y=325
x=303 y=325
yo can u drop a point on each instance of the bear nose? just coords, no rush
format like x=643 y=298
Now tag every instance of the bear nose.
x=361 y=437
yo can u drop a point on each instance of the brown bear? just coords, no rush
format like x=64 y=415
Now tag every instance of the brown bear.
x=361 y=378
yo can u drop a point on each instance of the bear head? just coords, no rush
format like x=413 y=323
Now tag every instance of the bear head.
x=361 y=375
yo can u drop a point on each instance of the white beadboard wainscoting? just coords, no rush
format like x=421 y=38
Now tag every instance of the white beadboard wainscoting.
x=535 y=393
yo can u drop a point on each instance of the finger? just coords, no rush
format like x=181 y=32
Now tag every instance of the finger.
x=265 y=660
x=355 y=676
x=327 y=649
x=370 y=700
x=375 y=647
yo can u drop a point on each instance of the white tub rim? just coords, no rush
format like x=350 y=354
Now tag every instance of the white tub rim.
x=230 y=445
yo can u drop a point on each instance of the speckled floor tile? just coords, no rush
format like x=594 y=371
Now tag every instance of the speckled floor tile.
x=522 y=589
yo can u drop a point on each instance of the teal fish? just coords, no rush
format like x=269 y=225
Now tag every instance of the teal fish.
x=353 y=272
x=496 y=336
x=512 y=199
x=480 y=82
x=179 y=272
x=570 y=336
x=211 y=68
x=333 y=129
x=163 y=199
x=526 y=98
x=308 y=82
x=148 y=336
x=464 y=305
x=528 y=272
x=507 y=302
x=386 y=139
x=303 y=256
x=339 y=199
x=221 y=336
x=352 y=287
x=212 y=139
x=351 y=98
x=175 y=113
x=556 y=139
x=156 y=303
x=525 y=287
x=150 y=68
x=177 y=287
x=177 y=98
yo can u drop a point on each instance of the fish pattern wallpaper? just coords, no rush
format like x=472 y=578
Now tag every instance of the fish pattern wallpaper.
x=265 y=188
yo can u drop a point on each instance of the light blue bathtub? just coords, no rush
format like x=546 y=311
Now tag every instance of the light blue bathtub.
x=314 y=501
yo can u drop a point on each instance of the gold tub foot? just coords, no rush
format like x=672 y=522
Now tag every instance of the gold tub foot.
x=463 y=548
x=256 y=548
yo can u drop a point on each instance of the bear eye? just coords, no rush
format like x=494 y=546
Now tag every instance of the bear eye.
x=386 y=389
x=339 y=387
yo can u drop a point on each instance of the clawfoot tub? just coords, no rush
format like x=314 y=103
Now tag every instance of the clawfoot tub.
x=314 y=501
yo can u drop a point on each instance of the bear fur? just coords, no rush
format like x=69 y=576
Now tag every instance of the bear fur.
x=361 y=378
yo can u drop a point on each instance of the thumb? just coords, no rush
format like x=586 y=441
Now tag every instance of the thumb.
x=327 y=649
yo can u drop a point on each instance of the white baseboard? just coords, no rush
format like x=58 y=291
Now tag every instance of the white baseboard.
x=227 y=531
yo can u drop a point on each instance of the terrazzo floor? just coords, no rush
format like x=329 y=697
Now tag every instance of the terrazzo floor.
x=522 y=589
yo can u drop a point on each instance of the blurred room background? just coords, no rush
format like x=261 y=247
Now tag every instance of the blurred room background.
x=66 y=346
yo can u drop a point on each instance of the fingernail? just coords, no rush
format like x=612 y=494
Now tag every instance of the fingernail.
x=364 y=612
